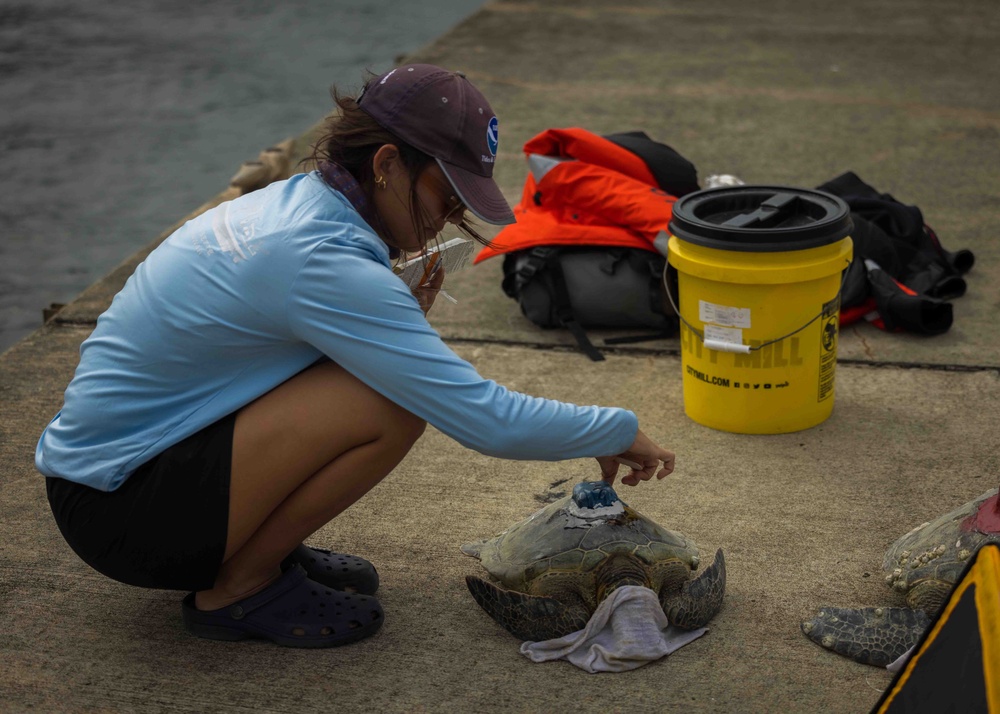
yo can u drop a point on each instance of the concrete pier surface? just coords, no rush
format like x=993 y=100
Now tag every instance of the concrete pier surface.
x=776 y=92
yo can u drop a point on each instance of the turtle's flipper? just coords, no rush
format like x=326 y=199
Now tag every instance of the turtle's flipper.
x=873 y=635
x=474 y=548
x=699 y=599
x=528 y=617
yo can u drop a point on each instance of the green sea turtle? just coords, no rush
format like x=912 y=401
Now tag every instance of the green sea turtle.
x=923 y=566
x=556 y=566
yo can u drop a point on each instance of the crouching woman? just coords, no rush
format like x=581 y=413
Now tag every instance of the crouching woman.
x=264 y=368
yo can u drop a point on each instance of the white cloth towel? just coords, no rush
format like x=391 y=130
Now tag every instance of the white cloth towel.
x=627 y=630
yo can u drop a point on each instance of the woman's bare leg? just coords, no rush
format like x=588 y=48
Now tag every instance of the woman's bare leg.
x=302 y=453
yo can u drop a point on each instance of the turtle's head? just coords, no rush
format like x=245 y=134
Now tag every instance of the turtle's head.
x=594 y=494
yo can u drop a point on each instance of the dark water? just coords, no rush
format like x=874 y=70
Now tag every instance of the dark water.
x=118 y=118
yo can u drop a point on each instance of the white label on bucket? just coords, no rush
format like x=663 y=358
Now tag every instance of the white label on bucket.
x=732 y=335
x=723 y=315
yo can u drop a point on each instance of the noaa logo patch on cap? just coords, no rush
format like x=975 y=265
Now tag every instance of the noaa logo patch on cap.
x=493 y=136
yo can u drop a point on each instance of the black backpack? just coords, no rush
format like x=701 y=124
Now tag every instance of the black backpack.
x=577 y=288
x=587 y=286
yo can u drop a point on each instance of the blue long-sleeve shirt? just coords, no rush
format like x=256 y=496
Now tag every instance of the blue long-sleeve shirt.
x=248 y=294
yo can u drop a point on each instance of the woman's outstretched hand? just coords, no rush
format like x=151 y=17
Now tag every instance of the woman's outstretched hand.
x=644 y=453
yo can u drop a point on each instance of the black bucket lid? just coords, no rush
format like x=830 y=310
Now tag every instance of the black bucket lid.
x=761 y=219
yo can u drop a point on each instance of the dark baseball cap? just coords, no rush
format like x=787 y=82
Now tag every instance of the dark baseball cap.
x=440 y=113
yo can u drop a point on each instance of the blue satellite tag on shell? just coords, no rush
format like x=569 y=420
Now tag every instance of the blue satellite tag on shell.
x=594 y=494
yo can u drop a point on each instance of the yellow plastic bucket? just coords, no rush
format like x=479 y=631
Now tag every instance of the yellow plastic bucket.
x=759 y=272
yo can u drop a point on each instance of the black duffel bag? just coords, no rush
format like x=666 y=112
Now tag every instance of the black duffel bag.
x=577 y=288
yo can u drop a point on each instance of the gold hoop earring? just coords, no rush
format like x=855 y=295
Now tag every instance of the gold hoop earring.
x=380 y=182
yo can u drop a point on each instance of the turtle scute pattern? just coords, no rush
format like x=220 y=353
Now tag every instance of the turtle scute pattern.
x=527 y=617
x=876 y=636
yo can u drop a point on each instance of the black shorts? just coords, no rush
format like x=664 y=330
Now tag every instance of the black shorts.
x=166 y=526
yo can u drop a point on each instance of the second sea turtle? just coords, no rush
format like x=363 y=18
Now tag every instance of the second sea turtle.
x=923 y=566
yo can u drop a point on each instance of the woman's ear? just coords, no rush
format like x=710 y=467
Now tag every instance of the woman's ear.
x=386 y=161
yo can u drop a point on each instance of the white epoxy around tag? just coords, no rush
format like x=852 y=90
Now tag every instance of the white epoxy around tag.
x=601 y=513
